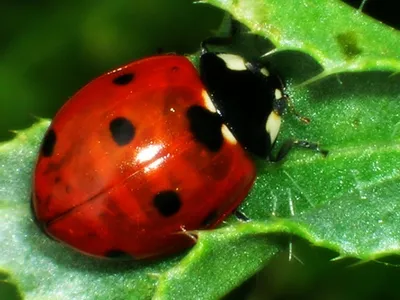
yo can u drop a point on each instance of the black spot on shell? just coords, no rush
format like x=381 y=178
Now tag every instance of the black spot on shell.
x=117 y=254
x=206 y=127
x=48 y=144
x=219 y=168
x=209 y=219
x=122 y=131
x=124 y=79
x=68 y=189
x=167 y=203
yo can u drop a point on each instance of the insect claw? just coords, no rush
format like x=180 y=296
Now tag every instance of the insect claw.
x=191 y=234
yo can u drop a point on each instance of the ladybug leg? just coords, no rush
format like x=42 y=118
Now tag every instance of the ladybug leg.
x=281 y=104
x=240 y=216
x=289 y=144
x=289 y=103
x=189 y=234
x=279 y=108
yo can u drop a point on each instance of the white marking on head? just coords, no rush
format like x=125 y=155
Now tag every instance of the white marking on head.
x=278 y=94
x=227 y=134
x=207 y=102
x=264 y=71
x=233 y=62
x=273 y=125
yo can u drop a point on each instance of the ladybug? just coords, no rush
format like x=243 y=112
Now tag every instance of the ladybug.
x=154 y=149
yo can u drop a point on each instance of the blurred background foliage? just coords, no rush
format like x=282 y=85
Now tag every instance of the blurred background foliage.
x=49 y=49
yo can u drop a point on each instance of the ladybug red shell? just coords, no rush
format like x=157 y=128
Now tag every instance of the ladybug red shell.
x=151 y=150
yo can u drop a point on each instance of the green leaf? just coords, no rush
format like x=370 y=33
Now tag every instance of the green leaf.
x=43 y=269
x=347 y=202
x=339 y=37
x=214 y=266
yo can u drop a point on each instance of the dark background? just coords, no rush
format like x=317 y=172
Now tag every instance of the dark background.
x=49 y=49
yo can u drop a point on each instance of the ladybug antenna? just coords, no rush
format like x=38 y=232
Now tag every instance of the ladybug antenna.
x=287 y=102
x=293 y=110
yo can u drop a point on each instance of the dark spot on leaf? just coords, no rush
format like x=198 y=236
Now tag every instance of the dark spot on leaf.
x=348 y=44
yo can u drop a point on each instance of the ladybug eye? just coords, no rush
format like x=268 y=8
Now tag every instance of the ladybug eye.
x=123 y=79
x=122 y=131
x=49 y=142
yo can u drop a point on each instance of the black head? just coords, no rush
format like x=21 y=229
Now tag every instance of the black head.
x=248 y=97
